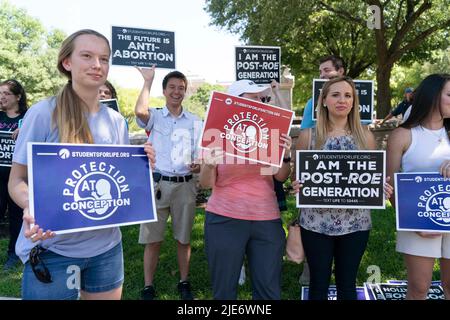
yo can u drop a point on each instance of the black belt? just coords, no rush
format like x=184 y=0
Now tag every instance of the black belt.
x=177 y=179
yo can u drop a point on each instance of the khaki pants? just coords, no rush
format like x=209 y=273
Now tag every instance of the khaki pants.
x=178 y=201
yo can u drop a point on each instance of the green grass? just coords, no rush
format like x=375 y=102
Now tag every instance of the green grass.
x=380 y=252
x=9 y=282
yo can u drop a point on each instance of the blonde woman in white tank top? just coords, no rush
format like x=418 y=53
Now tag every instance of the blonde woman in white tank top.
x=422 y=144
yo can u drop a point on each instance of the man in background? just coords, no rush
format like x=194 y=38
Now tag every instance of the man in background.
x=402 y=106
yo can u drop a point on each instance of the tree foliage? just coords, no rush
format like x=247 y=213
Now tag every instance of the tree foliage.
x=127 y=98
x=412 y=75
x=28 y=52
x=198 y=102
x=411 y=31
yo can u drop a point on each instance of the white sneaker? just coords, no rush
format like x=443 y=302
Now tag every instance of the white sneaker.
x=242 y=276
x=304 y=277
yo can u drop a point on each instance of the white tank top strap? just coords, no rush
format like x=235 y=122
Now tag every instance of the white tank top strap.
x=427 y=150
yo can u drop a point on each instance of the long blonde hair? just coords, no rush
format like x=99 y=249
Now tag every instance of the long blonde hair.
x=70 y=115
x=323 y=126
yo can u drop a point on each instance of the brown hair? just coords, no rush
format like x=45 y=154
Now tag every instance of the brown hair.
x=353 y=118
x=337 y=61
x=177 y=75
x=111 y=89
x=17 y=89
x=70 y=112
x=427 y=97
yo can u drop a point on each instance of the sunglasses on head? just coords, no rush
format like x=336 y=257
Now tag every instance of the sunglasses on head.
x=265 y=99
x=38 y=266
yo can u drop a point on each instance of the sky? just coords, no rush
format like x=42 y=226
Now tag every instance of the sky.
x=202 y=51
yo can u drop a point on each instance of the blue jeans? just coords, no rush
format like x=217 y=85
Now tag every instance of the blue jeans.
x=97 y=274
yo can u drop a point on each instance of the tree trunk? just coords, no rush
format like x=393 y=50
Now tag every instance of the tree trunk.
x=383 y=105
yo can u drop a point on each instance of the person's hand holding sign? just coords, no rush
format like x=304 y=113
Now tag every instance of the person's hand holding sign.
x=35 y=233
x=151 y=154
x=286 y=143
x=297 y=185
x=280 y=101
x=147 y=73
x=15 y=134
x=194 y=167
x=445 y=169
x=213 y=157
x=275 y=86
x=388 y=189
x=281 y=174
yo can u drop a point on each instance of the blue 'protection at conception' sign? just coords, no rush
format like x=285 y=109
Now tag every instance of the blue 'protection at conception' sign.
x=422 y=202
x=83 y=187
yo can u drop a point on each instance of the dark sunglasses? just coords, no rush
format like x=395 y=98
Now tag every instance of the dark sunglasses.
x=38 y=266
x=266 y=99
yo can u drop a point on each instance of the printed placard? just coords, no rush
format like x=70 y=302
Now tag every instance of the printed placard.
x=434 y=282
x=373 y=292
x=245 y=129
x=261 y=64
x=111 y=103
x=77 y=187
x=143 y=47
x=364 y=89
x=422 y=202
x=397 y=291
x=7 y=145
x=341 y=179
x=332 y=293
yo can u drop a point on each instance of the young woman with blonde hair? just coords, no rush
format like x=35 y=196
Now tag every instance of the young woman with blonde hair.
x=335 y=235
x=94 y=258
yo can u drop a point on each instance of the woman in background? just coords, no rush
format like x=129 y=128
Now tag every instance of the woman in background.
x=13 y=101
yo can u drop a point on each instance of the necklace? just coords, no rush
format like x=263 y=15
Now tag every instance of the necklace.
x=440 y=136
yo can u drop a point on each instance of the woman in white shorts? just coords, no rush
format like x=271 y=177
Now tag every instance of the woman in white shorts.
x=421 y=144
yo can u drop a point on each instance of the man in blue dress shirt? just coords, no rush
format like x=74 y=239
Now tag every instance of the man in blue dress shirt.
x=174 y=133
